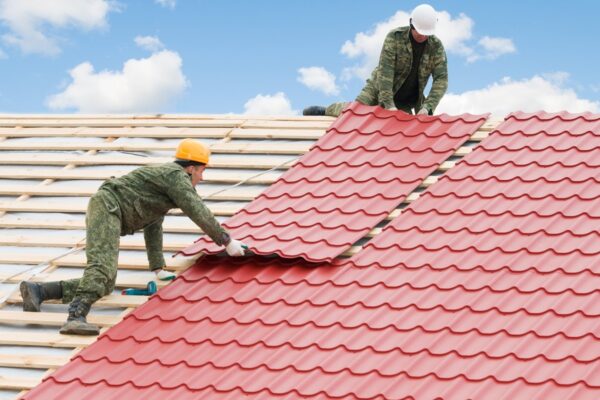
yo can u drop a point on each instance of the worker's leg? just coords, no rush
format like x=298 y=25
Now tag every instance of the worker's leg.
x=369 y=95
x=335 y=109
x=69 y=288
x=102 y=251
x=34 y=294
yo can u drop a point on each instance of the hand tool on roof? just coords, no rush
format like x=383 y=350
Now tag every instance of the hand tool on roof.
x=150 y=290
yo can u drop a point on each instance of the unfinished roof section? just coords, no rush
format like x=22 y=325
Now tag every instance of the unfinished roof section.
x=480 y=289
x=354 y=176
x=51 y=164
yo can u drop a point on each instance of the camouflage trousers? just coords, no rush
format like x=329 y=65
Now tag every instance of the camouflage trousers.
x=368 y=96
x=103 y=230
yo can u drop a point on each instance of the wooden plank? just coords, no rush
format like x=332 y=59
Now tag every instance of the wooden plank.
x=446 y=165
x=351 y=251
x=110 y=301
x=52 y=318
x=260 y=147
x=180 y=225
x=223 y=210
x=210 y=176
x=13 y=383
x=490 y=124
x=234 y=194
x=166 y=133
x=127 y=242
x=28 y=338
x=290 y=134
x=216 y=148
x=182 y=116
x=302 y=124
x=78 y=260
x=122 y=282
x=32 y=361
x=109 y=123
x=265 y=162
x=480 y=135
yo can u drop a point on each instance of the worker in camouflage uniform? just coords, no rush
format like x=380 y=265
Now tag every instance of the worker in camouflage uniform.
x=410 y=55
x=138 y=200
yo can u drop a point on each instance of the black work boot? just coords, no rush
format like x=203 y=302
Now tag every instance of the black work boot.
x=314 y=110
x=34 y=293
x=76 y=323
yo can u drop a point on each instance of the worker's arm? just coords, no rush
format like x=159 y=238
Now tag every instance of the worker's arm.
x=440 y=80
x=153 y=236
x=387 y=66
x=185 y=197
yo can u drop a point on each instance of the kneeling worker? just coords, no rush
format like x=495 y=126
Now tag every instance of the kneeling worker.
x=138 y=200
x=410 y=55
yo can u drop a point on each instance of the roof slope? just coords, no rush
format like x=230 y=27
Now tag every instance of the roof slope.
x=480 y=289
x=49 y=167
x=369 y=160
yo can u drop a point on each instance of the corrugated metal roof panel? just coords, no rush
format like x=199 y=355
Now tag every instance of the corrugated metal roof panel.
x=367 y=163
x=475 y=291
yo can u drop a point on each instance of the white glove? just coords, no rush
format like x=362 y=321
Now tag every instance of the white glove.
x=164 y=275
x=235 y=248
x=423 y=111
x=392 y=109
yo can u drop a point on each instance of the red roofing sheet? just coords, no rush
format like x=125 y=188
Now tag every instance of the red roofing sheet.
x=509 y=241
x=480 y=289
x=369 y=160
x=268 y=328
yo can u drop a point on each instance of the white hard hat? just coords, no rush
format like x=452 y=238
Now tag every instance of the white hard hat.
x=424 y=19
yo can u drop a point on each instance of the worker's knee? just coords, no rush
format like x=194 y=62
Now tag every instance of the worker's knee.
x=335 y=109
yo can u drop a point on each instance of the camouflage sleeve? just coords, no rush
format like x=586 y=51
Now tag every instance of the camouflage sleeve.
x=440 y=80
x=153 y=236
x=387 y=65
x=185 y=197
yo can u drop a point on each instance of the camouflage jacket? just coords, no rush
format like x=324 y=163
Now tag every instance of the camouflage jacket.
x=145 y=195
x=395 y=63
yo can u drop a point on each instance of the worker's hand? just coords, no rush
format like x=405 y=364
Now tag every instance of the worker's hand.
x=393 y=109
x=423 y=111
x=164 y=275
x=235 y=248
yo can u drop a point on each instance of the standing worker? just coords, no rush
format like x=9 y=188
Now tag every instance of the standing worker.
x=138 y=200
x=410 y=55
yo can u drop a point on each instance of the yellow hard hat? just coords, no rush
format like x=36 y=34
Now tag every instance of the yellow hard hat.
x=192 y=150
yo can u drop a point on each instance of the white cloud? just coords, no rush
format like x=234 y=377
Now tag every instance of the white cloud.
x=3 y=55
x=318 y=78
x=493 y=48
x=144 y=85
x=455 y=33
x=150 y=43
x=28 y=19
x=166 y=3
x=277 y=104
x=546 y=93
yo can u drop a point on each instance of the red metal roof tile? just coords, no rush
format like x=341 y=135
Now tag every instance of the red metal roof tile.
x=367 y=163
x=485 y=287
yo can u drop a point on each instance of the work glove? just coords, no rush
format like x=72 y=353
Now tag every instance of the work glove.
x=235 y=248
x=164 y=275
x=423 y=111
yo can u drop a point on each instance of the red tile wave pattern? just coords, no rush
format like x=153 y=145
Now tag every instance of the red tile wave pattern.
x=487 y=287
x=513 y=228
x=367 y=163
x=270 y=328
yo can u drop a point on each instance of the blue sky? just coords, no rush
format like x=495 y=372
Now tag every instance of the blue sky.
x=279 y=56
